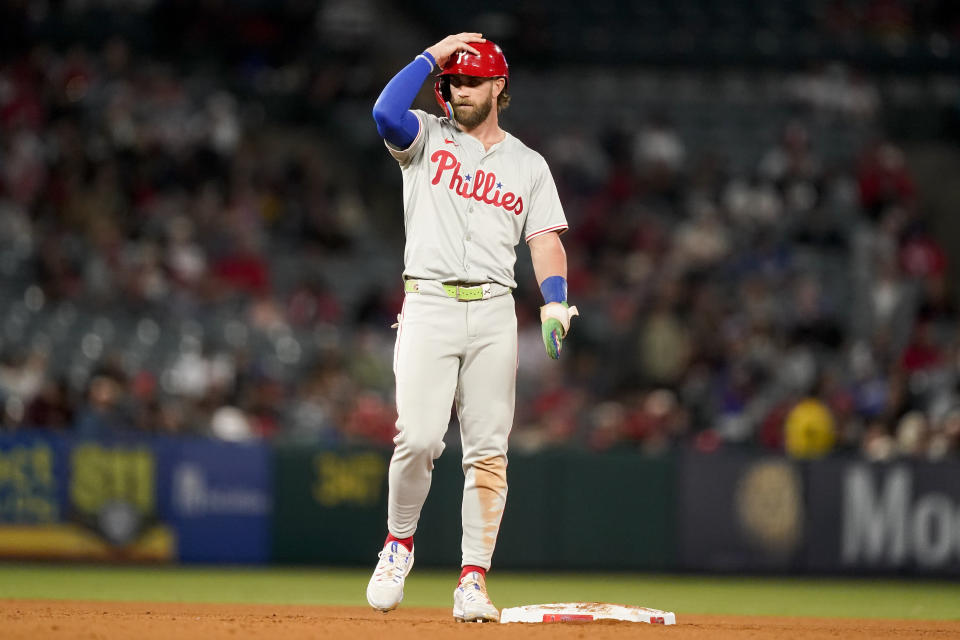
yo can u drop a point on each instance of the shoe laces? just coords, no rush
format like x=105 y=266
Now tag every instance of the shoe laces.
x=392 y=563
x=474 y=589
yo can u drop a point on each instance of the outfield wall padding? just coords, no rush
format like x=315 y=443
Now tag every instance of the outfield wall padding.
x=132 y=498
x=331 y=508
x=742 y=511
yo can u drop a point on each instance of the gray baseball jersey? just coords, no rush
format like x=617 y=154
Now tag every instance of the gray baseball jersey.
x=466 y=208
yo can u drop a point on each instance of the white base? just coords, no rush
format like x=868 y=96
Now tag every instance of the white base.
x=585 y=612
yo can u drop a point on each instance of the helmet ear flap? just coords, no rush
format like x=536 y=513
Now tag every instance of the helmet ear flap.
x=441 y=89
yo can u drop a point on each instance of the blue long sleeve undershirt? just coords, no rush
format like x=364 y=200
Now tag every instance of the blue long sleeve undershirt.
x=395 y=122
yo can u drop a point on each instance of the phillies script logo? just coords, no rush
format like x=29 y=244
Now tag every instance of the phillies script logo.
x=483 y=187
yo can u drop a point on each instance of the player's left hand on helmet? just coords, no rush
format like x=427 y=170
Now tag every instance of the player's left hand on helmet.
x=555 y=324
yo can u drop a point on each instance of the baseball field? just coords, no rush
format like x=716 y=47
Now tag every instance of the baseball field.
x=81 y=601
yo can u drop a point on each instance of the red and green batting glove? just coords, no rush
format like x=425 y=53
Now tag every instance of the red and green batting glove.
x=555 y=315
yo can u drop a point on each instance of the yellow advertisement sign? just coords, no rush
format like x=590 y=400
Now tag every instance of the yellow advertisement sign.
x=99 y=503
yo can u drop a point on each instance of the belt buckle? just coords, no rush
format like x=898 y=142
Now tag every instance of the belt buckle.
x=483 y=289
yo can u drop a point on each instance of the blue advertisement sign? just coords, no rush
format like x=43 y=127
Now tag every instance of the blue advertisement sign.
x=220 y=501
x=31 y=467
x=134 y=498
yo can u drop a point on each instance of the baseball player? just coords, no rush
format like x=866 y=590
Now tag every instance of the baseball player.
x=471 y=191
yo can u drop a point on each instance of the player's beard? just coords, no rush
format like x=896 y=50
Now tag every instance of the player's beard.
x=472 y=118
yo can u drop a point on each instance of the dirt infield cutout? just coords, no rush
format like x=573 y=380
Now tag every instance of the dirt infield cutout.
x=33 y=619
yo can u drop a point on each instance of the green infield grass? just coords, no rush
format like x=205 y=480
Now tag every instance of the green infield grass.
x=826 y=597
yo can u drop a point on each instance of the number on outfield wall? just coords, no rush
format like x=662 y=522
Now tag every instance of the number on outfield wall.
x=355 y=480
x=28 y=492
x=101 y=475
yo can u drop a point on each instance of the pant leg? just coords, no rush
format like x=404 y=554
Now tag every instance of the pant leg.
x=429 y=344
x=486 y=397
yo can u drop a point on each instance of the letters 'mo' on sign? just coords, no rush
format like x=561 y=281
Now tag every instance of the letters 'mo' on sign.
x=892 y=518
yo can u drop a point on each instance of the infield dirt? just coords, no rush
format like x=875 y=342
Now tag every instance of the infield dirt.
x=32 y=619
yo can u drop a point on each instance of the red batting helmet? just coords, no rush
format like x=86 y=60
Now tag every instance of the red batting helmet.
x=491 y=63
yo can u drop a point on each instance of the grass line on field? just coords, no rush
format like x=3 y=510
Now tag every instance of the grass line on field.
x=821 y=597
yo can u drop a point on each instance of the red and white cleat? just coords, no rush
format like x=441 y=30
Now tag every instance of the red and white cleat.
x=385 y=589
x=471 y=602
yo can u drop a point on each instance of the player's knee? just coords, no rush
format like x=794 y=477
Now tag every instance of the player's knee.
x=420 y=444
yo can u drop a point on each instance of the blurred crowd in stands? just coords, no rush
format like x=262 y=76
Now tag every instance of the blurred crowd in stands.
x=174 y=259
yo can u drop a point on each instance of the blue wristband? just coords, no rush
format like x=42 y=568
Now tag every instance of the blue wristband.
x=433 y=62
x=554 y=289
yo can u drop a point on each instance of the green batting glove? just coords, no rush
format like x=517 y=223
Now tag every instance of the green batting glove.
x=555 y=322
x=553 y=337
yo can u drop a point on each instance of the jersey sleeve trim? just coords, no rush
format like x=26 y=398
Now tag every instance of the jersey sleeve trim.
x=559 y=228
x=428 y=59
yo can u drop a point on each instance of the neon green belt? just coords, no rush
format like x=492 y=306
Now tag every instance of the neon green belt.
x=461 y=292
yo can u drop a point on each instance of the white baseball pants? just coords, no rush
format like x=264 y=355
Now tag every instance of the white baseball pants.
x=448 y=350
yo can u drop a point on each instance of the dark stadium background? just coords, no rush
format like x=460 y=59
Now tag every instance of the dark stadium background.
x=201 y=244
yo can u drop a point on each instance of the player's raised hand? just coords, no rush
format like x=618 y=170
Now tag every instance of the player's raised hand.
x=555 y=323
x=442 y=51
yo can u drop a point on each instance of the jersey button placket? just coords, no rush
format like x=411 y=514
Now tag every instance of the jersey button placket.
x=467 y=236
